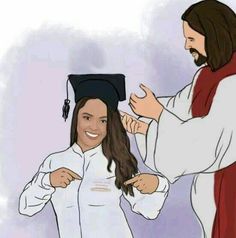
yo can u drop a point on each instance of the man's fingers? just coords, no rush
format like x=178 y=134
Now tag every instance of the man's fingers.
x=136 y=127
x=132 y=107
x=126 y=119
x=131 y=181
x=126 y=114
x=132 y=103
x=123 y=120
x=134 y=98
x=145 y=89
x=132 y=125
x=129 y=122
x=122 y=113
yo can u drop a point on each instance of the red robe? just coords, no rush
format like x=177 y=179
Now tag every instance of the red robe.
x=225 y=179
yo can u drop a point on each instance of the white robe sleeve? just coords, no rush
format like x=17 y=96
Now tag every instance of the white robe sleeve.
x=149 y=205
x=37 y=192
x=204 y=144
x=180 y=106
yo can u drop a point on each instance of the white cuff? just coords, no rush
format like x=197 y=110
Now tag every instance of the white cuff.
x=163 y=184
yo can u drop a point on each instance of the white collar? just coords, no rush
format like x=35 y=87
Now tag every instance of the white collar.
x=88 y=153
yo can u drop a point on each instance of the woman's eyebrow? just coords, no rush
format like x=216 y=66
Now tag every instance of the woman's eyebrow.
x=103 y=117
x=87 y=114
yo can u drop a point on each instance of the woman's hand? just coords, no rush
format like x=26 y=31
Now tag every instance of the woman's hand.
x=145 y=183
x=147 y=106
x=133 y=125
x=62 y=177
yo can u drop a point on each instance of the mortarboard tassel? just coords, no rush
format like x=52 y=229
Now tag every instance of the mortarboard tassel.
x=66 y=106
x=66 y=109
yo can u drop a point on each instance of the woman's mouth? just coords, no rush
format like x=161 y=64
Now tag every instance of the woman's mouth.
x=91 y=135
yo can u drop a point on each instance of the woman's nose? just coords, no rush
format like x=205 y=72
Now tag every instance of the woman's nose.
x=94 y=125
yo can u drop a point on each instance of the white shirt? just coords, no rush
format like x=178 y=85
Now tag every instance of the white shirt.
x=180 y=144
x=89 y=207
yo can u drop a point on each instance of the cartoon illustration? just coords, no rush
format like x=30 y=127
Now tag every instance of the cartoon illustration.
x=193 y=132
x=85 y=182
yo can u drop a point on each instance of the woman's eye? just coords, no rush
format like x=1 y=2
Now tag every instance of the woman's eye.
x=104 y=121
x=86 y=118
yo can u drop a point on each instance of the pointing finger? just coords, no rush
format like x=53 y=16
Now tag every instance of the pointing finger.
x=67 y=176
x=73 y=174
x=131 y=181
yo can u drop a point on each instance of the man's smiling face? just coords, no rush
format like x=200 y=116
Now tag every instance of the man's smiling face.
x=92 y=124
x=195 y=43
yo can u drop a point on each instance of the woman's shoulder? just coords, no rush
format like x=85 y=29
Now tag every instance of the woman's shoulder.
x=58 y=155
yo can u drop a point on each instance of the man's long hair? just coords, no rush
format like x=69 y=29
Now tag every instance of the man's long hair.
x=217 y=22
x=115 y=146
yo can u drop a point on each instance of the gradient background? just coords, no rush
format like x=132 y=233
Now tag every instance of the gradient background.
x=41 y=43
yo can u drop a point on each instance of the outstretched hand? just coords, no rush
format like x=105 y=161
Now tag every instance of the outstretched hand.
x=147 y=106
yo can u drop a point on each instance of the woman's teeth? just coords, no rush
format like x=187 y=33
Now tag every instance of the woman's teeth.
x=91 y=134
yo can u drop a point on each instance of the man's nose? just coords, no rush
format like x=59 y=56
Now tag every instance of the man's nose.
x=187 y=46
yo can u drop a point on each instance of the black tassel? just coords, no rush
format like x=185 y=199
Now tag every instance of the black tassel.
x=66 y=106
x=66 y=109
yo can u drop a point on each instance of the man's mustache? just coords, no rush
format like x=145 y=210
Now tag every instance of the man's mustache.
x=193 y=50
x=201 y=58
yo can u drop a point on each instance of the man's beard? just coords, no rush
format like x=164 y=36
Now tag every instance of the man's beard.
x=201 y=58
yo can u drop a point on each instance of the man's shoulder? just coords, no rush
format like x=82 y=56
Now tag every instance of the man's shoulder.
x=226 y=89
x=229 y=82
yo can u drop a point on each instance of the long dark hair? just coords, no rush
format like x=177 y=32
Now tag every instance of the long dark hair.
x=115 y=146
x=217 y=22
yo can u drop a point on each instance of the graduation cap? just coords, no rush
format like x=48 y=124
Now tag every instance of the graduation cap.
x=110 y=88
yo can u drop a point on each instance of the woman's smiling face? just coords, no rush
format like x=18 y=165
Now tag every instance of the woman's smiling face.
x=91 y=124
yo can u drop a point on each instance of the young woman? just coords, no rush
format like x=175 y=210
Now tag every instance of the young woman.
x=85 y=182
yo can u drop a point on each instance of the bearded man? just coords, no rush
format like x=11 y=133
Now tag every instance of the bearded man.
x=194 y=132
